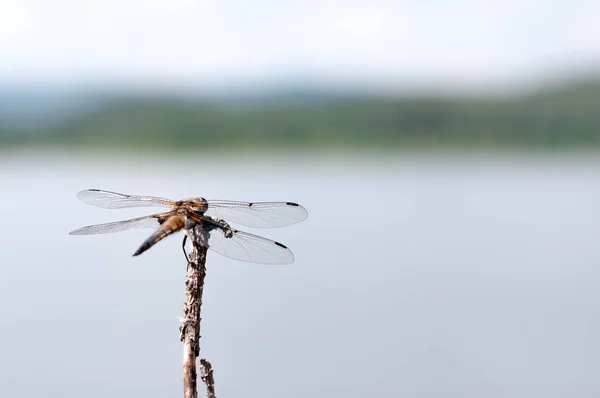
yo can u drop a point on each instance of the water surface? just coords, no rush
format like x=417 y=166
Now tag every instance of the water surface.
x=417 y=276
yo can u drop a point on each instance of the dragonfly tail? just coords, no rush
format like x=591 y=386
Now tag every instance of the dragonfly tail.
x=170 y=226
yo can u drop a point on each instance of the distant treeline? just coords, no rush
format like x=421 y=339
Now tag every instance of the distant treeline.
x=565 y=116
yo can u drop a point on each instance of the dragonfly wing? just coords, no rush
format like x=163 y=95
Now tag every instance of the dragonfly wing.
x=114 y=200
x=243 y=246
x=152 y=221
x=257 y=214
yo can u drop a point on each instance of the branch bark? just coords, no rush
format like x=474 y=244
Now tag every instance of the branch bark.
x=206 y=374
x=189 y=331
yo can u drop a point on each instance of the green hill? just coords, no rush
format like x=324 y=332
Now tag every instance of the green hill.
x=567 y=116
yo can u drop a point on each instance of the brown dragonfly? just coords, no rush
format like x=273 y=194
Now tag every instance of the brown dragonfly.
x=206 y=216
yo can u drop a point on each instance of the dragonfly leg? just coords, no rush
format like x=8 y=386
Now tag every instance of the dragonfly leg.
x=183 y=247
x=227 y=230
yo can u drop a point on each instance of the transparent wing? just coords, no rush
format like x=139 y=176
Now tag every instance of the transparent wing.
x=135 y=223
x=247 y=247
x=257 y=214
x=114 y=200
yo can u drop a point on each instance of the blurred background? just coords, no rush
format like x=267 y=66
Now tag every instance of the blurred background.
x=447 y=153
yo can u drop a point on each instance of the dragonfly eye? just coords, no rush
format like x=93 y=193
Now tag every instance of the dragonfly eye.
x=200 y=204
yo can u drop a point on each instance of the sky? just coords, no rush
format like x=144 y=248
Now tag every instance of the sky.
x=219 y=43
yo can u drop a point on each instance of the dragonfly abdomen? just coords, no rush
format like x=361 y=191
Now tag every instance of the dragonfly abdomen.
x=168 y=227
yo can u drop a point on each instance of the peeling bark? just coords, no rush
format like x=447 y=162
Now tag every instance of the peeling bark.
x=189 y=331
x=206 y=374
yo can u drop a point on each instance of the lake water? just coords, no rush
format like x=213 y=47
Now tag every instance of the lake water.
x=415 y=276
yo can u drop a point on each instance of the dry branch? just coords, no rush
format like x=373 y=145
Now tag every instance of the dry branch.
x=190 y=327
x=206 y=374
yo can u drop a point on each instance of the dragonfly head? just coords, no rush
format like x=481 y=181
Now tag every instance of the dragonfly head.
x=199 y=204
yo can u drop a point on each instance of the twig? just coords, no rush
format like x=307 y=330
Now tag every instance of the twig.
x=206 y=374
x=189 y=331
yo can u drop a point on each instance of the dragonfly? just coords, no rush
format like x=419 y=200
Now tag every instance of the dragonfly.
x=206 y=216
